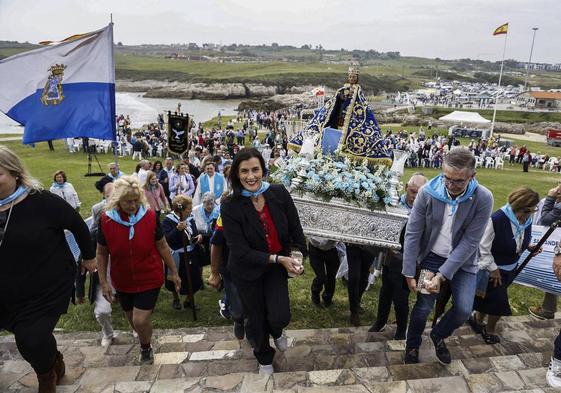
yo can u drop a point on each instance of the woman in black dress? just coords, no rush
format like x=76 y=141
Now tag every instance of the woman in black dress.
x=260 y=225
x=506 y=237
x=38 y=268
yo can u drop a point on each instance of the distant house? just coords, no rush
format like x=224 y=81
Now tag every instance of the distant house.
x=540 y=99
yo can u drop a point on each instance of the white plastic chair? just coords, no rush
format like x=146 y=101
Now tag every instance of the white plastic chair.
x=489 y=162
x=499 y=163
x=478 y=161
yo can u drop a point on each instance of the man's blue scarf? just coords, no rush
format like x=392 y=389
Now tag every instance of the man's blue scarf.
x=436 y=188
x=520 y=228
x=119 y=174
x=264 y=187
x=133 y=219
x=218 y=184
x=403 y=202
x=15 y=195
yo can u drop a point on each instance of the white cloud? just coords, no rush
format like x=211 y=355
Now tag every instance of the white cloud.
x=429 y=28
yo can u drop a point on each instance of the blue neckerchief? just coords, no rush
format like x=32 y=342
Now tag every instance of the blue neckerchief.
x=218 y=184
x=175 y=218
x=264 y=187
x=15 y=195
x=436 y=188
x=403 y=202
x=133 y=219
x=58 y=185
x=209 y=218
x=115 y=177
x=520 y=228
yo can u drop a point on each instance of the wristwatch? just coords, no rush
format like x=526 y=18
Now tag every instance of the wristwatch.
x=557 y=250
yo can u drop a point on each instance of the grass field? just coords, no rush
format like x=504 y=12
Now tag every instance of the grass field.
x=504 y=116
x=42 y=163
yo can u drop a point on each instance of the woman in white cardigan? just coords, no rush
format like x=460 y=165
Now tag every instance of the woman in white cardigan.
x=65 y=190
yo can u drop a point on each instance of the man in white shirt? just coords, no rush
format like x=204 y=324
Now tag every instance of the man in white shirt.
x=443 y=234
x=210 y=181
x=143 y=172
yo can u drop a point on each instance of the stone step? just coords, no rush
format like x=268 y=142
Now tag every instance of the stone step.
x=355 y=380
x=18 y=373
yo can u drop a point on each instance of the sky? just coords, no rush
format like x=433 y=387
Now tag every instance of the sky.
x=447 y=29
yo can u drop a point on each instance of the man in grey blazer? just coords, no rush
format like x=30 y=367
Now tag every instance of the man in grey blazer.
x=443 y=235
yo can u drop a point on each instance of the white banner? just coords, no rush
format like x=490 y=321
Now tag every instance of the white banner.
x=539 y=272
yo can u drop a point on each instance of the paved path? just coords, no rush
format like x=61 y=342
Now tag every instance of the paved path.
x=317 y=361
x=528 y=136
x=12 y=138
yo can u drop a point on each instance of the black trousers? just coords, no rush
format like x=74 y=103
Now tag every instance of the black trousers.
x=393 y=290
x=325 y=265
x=359 y=261
x=267 y=308
x=36 y=343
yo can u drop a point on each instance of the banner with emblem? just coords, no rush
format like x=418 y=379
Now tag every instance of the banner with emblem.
x=63 y=90
x=178 y=132
x=539 y=271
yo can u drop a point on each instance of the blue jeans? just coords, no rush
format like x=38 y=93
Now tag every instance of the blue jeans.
x=463 y=292
x=233 y=301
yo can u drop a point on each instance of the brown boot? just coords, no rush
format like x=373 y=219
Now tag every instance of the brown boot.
x=47 y=382
x=59 y=367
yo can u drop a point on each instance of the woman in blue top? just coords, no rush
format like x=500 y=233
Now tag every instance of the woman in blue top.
x=506 y=237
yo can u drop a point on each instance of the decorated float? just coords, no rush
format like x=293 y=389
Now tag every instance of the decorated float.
x=342 y=177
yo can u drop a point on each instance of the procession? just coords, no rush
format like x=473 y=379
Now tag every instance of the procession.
x=321 y=246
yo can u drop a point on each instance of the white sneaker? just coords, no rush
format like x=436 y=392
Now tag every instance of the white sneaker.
x=281 y=343
x=553 y=375
x=266 y=369
x=106 y=341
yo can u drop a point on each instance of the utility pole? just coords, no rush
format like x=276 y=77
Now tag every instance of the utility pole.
x=530 y=59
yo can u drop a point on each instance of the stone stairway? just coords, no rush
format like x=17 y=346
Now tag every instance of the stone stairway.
x=323 y=360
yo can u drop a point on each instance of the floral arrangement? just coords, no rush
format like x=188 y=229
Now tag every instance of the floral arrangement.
x=337 y=177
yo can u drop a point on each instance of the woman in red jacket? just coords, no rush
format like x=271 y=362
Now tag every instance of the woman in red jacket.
x=130 y=233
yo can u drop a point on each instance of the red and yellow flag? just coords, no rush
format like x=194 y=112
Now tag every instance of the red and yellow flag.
x=502 y=29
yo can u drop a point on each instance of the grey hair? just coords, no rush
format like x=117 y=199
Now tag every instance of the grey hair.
x=208 y=196
x=460 y=158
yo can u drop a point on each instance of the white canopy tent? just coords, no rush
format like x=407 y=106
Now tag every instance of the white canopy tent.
x=465 y=117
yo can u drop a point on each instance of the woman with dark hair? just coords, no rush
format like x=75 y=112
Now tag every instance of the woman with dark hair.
x=157 y=168
x=260 y=225
x=65 y=190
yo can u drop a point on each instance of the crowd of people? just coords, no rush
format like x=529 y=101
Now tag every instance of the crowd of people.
x=162 y=224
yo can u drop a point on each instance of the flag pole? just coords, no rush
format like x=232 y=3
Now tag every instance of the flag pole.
x=116 y=140
x=499 y=85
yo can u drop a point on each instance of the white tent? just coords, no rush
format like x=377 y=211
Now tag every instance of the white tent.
x=465 y=117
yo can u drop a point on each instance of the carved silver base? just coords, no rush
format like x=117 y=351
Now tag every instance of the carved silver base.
x=342 y=221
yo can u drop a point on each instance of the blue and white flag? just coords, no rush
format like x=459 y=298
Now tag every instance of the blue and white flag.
x=539 y=271
x=64 y=90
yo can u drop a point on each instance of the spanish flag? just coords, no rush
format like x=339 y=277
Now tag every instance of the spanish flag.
x=502 y=29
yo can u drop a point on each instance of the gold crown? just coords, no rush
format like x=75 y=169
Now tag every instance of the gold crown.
x=57 y=69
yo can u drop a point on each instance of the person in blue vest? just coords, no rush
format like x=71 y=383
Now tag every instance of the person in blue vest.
x=210 y=181
x=506 y=237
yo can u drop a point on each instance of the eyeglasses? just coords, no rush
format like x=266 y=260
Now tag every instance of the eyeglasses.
x=455 y=182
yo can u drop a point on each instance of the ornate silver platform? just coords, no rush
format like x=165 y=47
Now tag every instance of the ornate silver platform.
x=352 y=224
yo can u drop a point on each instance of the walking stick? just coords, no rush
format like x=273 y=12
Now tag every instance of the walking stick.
x=543 y=239
x=186 y=263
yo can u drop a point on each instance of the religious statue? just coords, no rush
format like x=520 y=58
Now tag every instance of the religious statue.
x=346 y=125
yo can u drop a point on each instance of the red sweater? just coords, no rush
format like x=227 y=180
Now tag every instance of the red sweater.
x=136 y=265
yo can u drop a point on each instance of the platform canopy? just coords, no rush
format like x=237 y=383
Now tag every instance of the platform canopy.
x=465 y=117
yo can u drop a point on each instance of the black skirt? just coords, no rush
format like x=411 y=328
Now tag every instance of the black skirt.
x=495 y=301
x=196 y=275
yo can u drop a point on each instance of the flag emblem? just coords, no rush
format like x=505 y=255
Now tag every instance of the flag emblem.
x=502 y=29
x=52 y=92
